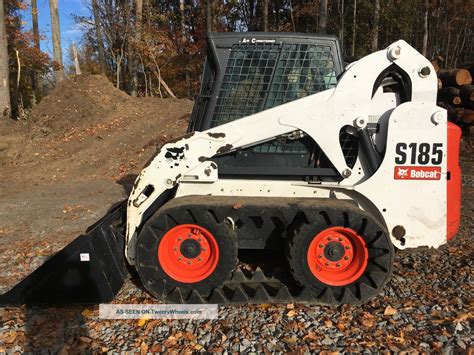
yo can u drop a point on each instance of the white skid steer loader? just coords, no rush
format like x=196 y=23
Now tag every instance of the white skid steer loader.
x=310 y=174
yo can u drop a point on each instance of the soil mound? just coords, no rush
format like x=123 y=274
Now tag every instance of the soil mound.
x=82 y=101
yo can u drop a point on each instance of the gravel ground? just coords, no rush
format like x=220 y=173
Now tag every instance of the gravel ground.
x=428 y=306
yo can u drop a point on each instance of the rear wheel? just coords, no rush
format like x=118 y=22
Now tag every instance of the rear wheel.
x=340 y=257
x=185 y=251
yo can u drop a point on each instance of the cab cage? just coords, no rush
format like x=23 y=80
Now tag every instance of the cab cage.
x=246 y=73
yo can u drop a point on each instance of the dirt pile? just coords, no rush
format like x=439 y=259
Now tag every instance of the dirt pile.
x=82 y=101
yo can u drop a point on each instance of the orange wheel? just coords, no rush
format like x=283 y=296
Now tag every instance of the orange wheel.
x=337 y=256
x=188 y=253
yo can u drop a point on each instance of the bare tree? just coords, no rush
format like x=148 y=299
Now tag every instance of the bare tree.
x=424 y=49
x=4 y=82
x=323 y=16
x=354 y=24
x=340 y=6
x=34 y=16
x=182 y=22
x=76 y=59
x=56 y=37
x=138 y=33
x=35 y=83
x=375 y=27
x=208 y=16
x=98 y=32
x=265 y=15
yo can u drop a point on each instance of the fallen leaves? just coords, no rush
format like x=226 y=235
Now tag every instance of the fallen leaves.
x=389 y=311
x=368 y=320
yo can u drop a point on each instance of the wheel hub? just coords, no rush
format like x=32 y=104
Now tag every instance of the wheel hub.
x=190 y=248
x=337 y=256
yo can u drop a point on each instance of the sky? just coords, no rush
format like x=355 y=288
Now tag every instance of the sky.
x=70 y=31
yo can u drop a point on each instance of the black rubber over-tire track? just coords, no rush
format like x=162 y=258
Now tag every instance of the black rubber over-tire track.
x=266 y=284
x=379 y=267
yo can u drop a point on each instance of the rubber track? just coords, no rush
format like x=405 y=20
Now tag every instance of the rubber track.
x=272 y=284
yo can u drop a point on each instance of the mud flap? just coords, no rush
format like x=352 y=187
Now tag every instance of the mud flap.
x=91 y=269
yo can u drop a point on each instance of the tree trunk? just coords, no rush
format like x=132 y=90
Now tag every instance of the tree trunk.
x=341 y=29
x=354 y=28
x=76 y=59
x=35 y=82
x=34 y=15
x=208 y=16
x=183 y=23
x=375 y=28
x=265 y=15
x=98 y=34
x=4 y=83
x=323 y=16
x=424 y=49
x=56 y=37
x=138 y=35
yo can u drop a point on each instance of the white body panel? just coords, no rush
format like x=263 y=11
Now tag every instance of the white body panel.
x=419 y=206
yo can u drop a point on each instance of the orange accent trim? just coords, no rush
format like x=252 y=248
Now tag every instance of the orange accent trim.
x=349 y=268
x=453 y=205
x=183 y=269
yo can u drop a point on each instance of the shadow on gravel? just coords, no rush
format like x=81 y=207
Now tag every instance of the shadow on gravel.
x=126 y=182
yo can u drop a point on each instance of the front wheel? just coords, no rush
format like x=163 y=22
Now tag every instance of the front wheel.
x=183 y=252
x=341 y=257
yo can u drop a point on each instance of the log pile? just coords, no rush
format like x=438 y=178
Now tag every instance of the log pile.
x=456 y=95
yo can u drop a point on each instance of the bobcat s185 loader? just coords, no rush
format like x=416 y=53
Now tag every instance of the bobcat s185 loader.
x=309 y=174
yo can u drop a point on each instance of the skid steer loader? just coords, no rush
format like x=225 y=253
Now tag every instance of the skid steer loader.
x=295 y=183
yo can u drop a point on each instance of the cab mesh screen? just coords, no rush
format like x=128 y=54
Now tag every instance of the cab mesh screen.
x=262 y=76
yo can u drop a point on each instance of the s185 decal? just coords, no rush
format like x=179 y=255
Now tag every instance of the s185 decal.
x=419 y=153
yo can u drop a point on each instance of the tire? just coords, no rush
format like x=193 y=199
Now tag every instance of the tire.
x=184 y=251
x=340 y=257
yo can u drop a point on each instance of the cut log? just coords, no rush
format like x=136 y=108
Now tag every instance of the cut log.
x=468 y=117
x=455 y=77
x=467 y=93
x=450 y=95
x=469 y=68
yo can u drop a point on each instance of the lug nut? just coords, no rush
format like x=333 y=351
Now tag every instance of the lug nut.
x=327 y=264
x=321 y=246
x=190 y=262
x=346 y=258
x=199 y=259
x=180 y=258
x=338 y=265
x=348 y=247
x=320 y=256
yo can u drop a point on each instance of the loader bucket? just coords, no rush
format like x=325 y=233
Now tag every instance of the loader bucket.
x=91 y=269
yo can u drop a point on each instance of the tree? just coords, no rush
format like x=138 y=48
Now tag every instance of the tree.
x=323 y=16
x=4 y=73
x=375 y=26
x=56 y=38
x=35 y=82
x=208 y=16
x=98 y=32
x=354 y=28
x=265 y=15
x=424 y=48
